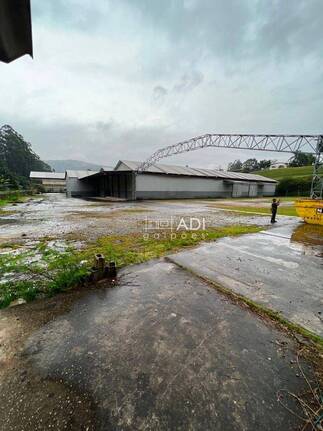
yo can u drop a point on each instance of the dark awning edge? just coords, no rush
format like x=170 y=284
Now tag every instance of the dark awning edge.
x=15 y=30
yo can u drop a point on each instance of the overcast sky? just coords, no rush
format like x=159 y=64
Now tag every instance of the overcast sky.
x=119 y=79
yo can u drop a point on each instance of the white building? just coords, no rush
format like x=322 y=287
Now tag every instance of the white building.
x=166 y=182
x=278 y=165
x=50 y=182
x=75 y=187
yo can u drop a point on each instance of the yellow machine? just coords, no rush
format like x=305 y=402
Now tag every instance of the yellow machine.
x=311 y=210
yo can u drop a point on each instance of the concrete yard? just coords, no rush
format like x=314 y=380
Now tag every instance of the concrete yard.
x=161 y=348
x=161 y=351
x=281 y=269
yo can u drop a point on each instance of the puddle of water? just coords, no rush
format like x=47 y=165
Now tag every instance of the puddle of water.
x=310 y=237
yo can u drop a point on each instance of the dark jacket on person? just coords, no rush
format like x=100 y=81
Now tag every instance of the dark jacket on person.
x=274 y=207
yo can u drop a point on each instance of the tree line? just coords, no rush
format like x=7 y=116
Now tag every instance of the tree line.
x=17 y=159
x=252 y=165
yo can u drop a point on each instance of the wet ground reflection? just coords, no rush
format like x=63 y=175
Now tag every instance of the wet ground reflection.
x=310 y=236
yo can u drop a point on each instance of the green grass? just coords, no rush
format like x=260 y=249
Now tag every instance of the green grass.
x=5 y=212
x=41 y=270
x=135 y=248
x=12 y=197
x=55 y=271
x=289 y=211
x=279 y=174
x=286 y=198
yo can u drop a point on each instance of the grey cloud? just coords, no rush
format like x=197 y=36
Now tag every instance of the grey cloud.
x=189 y=81
x=221 y=23
x=186 y=83
x=159 y=94
x=106 y=143
x=237 y=30
x=100 y=142
x=163 y=71
x=289 y=28
x=66 y=14
x=229 y=29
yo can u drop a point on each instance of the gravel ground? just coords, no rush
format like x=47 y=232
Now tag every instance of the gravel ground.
x=53 y=216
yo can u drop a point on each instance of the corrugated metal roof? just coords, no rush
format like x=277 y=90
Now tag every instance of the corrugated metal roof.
x=80 y=174
x=185 y=170
x=47 y=175
x=93 y=173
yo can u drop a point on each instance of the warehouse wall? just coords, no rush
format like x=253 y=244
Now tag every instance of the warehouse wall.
x=77 y=188
x=154 y=186
x=240 y=190
x=269 y=189
x=50 y=186
x=149 y=186
x=54 y=186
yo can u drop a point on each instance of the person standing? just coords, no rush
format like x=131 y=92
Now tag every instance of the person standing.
x=274 y=206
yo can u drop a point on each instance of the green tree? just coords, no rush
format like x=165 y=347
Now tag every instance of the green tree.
x=235 y=166
x=4 y=183
x=301 y=159
x=250 y=165
x=17 y=158
x=264 y=164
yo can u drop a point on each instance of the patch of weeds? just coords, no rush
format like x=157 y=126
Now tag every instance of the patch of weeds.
x=138 y=248
x=11 y=245
x=47 y=270
x=67 y=270
x=41 y=270
x=18 y=289
x=4 y=213
x=75 y=236
x=13 y=197
x=47 y=238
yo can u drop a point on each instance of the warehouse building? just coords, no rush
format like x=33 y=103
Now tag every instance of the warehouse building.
x=78 y=186
x=166 y=182
x=49 y=182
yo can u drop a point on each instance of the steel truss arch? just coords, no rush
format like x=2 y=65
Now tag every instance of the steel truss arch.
x=310 y=144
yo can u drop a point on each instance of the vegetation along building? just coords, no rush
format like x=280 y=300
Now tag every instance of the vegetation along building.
x=166 y=182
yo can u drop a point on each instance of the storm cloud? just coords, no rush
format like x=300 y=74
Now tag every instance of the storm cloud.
x=119 y=79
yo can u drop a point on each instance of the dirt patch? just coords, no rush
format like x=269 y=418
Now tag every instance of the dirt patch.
x=53 y=404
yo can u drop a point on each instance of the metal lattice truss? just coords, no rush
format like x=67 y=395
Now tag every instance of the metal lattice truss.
x=317 y=182
x=310 y=144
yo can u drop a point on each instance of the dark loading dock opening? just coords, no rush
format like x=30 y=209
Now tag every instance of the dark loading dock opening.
x=117 y=184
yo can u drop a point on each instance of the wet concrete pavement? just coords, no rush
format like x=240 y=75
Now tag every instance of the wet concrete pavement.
x=281 y=269
x=161 y=351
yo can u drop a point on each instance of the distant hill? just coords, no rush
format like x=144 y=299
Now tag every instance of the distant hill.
x=76 y=165
x=17 y=159
x=283 y=173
